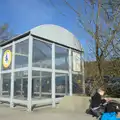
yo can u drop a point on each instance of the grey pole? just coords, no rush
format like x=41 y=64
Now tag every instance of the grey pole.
x=12 y=75
x=53 y=75
x=70 y=72
x=0 y=72
x=40 y=87
x=66 y=85
x=30 y=74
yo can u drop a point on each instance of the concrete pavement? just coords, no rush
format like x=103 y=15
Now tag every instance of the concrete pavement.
x=49 y=113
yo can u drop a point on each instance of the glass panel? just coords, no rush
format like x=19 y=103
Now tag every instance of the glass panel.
x=62 y=85
x=42 y=54
x=77 y=83
x=41 y=85
x=20 y=85
x=21 y=54
x=6 y=58
x=61 y=58
x=6 y=84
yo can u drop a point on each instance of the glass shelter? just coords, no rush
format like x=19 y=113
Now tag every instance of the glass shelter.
x=40 y=67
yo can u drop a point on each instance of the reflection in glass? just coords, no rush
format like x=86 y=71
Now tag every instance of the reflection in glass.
x=77 y=83
x=61 y=58
x=20 y=85
x=62 y=85
x=21 y=54
x=42 y=54
x=41 y=85
x=6 y=84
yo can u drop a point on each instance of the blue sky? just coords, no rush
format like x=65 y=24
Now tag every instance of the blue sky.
x=23 y=15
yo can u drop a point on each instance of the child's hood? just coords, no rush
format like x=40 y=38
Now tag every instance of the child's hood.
x=110 y=116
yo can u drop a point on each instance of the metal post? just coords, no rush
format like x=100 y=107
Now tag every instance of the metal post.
x=1 y=80
x=12 y=76
x=53 y=75
x=66 y=85
x=21 y=87
x=66 y=82
x=83 y=77
x=40 y=89
x=70 y=72
x=1 y=84
x=30 y=74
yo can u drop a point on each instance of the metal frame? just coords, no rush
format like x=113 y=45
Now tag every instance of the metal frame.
x=48 y=40
x=61 y=71
x=6 y=71
x=42 y=69
x=62 y=46
x=6 y=46
x=21 y=69
x=35 y=38
x=22 y=39
x=49 y=93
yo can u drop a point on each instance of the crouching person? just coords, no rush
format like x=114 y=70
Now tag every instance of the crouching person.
x=96 y=102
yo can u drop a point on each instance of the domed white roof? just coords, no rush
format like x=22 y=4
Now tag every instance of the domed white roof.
x=57 y=34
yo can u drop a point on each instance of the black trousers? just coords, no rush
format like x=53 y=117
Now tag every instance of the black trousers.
x=97 y=112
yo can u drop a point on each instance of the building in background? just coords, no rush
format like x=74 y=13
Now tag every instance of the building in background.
x=40 y=67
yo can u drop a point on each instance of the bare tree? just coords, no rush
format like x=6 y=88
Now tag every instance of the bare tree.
x=100 y=19
x=5 y=34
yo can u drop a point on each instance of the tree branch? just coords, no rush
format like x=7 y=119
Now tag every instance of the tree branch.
x=56 y=8
x=112 y=37
x=68 y=4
